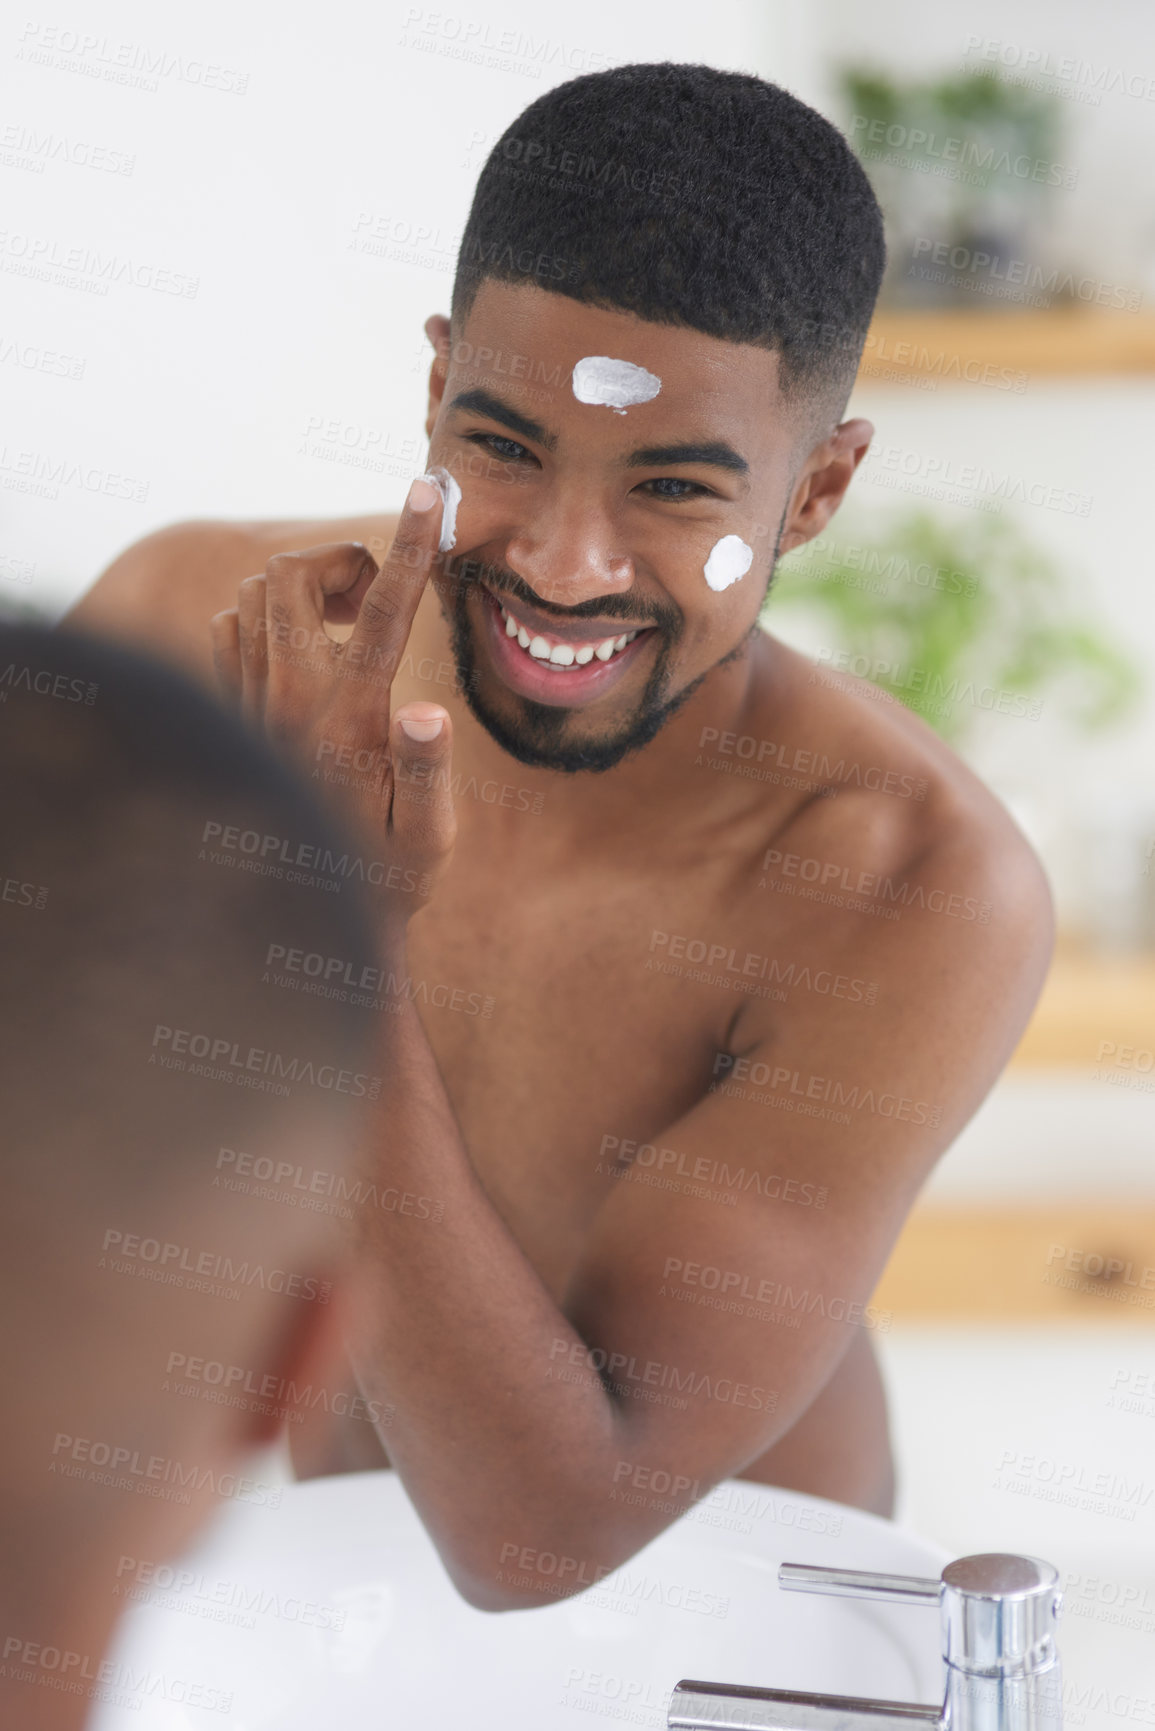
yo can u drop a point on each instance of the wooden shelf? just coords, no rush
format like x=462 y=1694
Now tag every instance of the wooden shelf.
x=955 y=347
x=1069 y=1264
x=1086 y=1000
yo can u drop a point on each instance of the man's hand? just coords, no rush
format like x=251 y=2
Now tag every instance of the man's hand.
x=328 y=702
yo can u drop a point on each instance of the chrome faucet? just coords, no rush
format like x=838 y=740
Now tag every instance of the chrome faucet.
x=998 y=1643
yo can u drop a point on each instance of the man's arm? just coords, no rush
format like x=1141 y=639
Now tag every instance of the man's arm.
x=513 y=1416
x=694 y=1334
x=160 y=593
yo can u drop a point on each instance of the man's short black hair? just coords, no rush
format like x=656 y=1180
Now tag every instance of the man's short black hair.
x=688 y=196
x=143 y=884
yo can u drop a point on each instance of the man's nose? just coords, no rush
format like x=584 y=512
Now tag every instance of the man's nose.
x=570 y=552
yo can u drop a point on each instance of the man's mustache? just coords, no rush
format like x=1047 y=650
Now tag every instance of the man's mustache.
x=611 y=606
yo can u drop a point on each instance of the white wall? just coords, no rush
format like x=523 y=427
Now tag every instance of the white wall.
x=1085 y=800
x=203 y=405
x=289 y=379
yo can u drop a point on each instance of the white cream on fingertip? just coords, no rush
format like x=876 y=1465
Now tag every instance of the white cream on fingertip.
x=450 y=500
x=613 y=384
x=730 y=558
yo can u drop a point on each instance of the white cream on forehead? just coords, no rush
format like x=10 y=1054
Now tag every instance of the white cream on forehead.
x=450 y=500
x=730 y=558
x=614 y=384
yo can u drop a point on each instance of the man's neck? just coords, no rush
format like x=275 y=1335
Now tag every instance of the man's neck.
x=659 y=778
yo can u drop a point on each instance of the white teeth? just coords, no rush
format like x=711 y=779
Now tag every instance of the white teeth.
x=563 y=654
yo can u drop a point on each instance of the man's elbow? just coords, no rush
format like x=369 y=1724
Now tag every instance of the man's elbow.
x=514 y=1576
x=502 y=1591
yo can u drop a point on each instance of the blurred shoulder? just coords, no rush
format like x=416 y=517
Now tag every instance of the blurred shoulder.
x=161 y=592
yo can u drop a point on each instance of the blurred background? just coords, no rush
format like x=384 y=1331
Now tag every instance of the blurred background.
x=221 y=235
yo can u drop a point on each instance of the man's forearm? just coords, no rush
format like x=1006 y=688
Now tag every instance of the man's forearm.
x=458 y=1335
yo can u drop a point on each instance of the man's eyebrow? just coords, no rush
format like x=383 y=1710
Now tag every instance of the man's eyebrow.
x=715 y=454
x=479 y=402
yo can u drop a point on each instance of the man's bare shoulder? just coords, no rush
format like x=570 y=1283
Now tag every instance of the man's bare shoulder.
x=161 y=592
x=894 y=851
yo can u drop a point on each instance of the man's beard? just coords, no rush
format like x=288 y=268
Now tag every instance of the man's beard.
x=533 y=734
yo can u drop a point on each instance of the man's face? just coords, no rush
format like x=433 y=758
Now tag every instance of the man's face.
x=580 y=524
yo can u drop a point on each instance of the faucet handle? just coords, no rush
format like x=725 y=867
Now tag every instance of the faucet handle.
x=998 y=1611
x=860 y=1584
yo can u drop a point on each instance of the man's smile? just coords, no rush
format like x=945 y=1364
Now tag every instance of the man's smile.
x=565 y=663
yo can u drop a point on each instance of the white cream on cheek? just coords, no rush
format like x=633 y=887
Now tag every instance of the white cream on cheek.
x=451 y=499
x=730 y=558
x=614 y=384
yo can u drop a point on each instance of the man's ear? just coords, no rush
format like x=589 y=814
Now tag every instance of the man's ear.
x=821 y=487
x=437 y=330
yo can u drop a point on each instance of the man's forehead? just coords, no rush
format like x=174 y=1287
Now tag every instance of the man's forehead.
x=523 y=333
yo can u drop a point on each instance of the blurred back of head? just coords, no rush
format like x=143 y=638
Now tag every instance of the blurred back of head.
x=155 y=1068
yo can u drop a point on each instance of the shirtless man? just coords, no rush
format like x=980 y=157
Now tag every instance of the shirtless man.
x=709 y=1069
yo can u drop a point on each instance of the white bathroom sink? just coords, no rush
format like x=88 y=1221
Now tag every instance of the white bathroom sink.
x=332 y=1612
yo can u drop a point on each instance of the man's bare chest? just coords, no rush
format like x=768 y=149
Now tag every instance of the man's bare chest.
x=574 y=1026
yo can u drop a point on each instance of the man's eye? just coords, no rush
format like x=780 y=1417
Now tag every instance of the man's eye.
x=508 y=449
x=672 y=487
